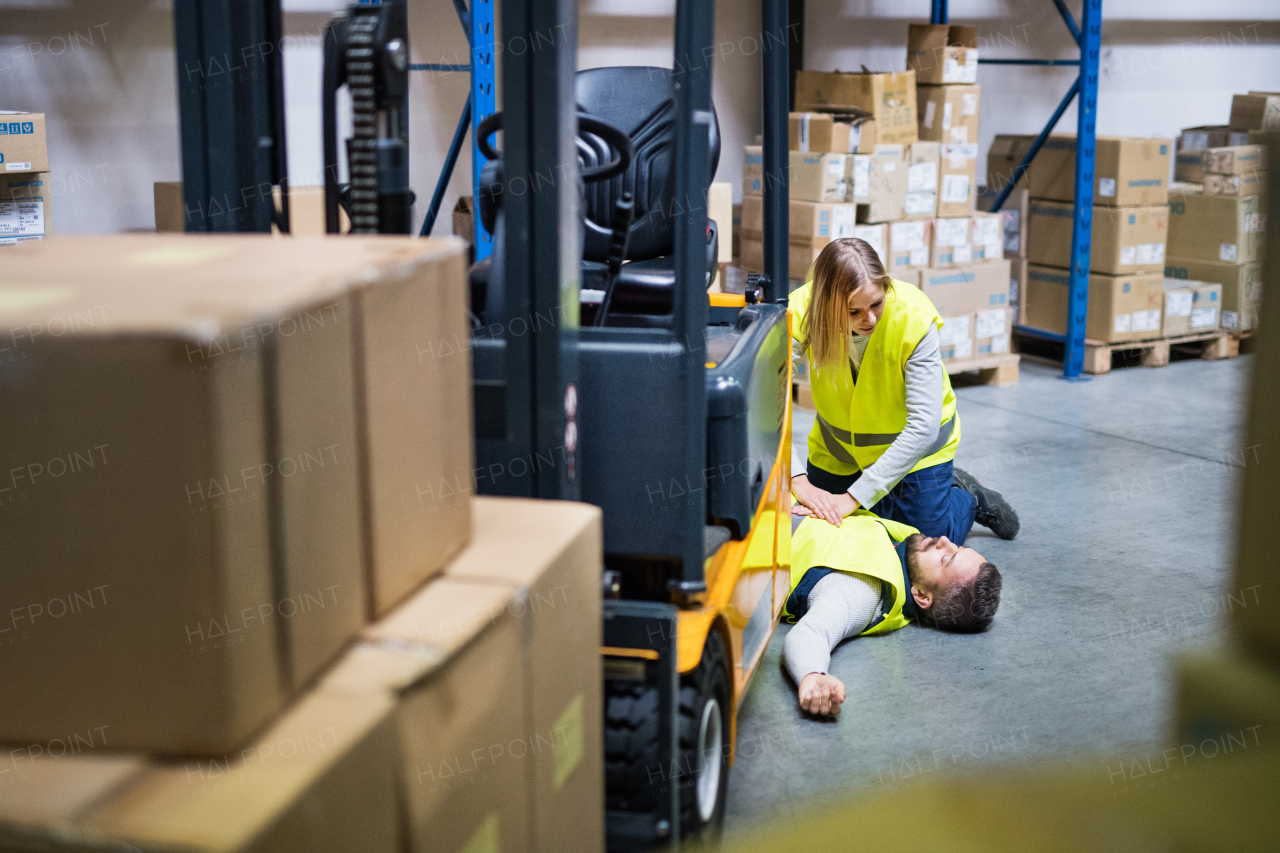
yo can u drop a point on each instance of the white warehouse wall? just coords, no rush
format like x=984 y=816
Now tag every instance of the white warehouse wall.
x=104 y=73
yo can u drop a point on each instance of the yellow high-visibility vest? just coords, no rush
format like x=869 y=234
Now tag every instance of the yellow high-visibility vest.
x=863 y=543
x=857 y=422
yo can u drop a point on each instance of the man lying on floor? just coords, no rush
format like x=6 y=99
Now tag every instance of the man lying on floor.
x=872 y=576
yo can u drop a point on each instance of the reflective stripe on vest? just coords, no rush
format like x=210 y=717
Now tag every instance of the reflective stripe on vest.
x=832 y=436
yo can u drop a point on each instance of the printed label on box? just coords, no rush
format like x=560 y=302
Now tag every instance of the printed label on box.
x=855 y=138
x=954 y=330
x=946 y=116
x=992 y=252
x=964 y=349
x=962 y=254
x=18 y=167
x=969 y=104
x=951 y=232
x=1107 y=187
x=930 y=111
x=1227 y=252
x=999 y=343
x=1202 y=318
x=872 y=235
x=1197 y=141
x=1146 y=321
x=920 y=257
x=986 y=229
x=990 y=323
x=1151 y=253
x=955 y=189
x=920 y=203
x=1177 y=304
x=862 y=177
x=836 y=166
x=1128 y=255
x=922 y=177
x=804 y=132
x=890 y=166
x=959 y=135
x=842 y=221
x=907 y=236
x=1122 y=323
x=1230 y=320
x=21 y=219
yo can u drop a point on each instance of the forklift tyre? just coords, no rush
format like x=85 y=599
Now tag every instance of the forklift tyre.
x=705 y=705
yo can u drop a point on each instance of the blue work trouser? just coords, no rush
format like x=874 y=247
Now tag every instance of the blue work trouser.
x=927 y=500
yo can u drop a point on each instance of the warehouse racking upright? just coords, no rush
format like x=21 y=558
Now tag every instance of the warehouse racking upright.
x=1087 y=36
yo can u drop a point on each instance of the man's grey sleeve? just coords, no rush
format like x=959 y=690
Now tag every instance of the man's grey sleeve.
x=840 y=605
x=923 y=377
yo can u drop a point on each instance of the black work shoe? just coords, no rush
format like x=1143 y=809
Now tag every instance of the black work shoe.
x=994 y=512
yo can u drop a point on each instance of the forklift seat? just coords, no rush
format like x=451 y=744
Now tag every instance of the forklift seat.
x=637 y=100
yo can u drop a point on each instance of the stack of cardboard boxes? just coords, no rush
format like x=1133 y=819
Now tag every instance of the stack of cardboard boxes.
x=284 y=623
x=1129 y=229
x=891 y=158
x=26 y=205
x=1217 y=211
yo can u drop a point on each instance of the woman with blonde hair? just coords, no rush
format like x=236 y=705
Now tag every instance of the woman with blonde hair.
x=887 y=428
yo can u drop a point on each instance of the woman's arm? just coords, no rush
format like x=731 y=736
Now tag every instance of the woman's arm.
x=923 y=377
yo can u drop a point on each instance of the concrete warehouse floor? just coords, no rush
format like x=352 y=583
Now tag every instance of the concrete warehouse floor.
x=1125 y=486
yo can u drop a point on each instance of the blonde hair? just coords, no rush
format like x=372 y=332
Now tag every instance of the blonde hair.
x=844 y=267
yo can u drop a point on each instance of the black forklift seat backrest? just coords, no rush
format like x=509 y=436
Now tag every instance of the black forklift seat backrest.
x=637 y=100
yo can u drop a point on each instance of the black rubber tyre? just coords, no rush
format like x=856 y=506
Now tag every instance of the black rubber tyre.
x=633 y=775
x=704 y=764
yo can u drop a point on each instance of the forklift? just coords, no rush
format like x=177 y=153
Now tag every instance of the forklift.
x=604 y=370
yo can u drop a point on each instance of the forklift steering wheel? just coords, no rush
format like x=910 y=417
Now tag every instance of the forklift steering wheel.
x=618 y=140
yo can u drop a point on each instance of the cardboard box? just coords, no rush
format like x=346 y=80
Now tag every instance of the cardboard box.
x=1216 y=227
x=967 y=289
x=1121 y=308
x=753 y=170
x=922 y=180
x=986 y=236
x=948 y=114
x=939 y=53
x=551 y=554
x=752 y=254
x=955 y=338
x=827 y=132
x=889 y=98
x=1255 y=111
x=1241 y=287
x=418 y=439
x=44 y=795
x=1018 y=290
x=813 y=226
x=720 y=211
x=1235 y=160
x=958 y=179
x=951 y=245
x=323 y=777
x=169 y=206
x=1123 y=239
x=1210 y=136
x=1015 y=212
x=909 y=245
x=737 y=227
x=1190 y=306
x=991 y=330
x=306 y=210
x=464 y=218
x=1128 y=171
x=450 y=658
x=887 y=179
x=23 y=145
x=819 y=177
x=1251 y=184
x=1188 y=166
x=26 y=208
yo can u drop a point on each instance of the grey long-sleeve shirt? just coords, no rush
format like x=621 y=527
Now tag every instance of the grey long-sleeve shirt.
x=923 y=378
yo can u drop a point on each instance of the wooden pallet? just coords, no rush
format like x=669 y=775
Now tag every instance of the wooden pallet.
x=998 y=370
x=1154 y=352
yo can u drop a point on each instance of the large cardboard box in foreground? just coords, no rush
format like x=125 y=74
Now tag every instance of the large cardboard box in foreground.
x=552 y=557
x=1128 y=171
x=23 y=144
x=1211 y=227
x=1123 y=239
x=889 y=98
x=323 y=777
x=1241 y=287
x=26 y=208
x=191 y=408
x=1121 y=307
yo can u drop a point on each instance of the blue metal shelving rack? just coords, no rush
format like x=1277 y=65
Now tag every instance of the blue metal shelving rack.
x=1087 y=35
x=477 y=23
